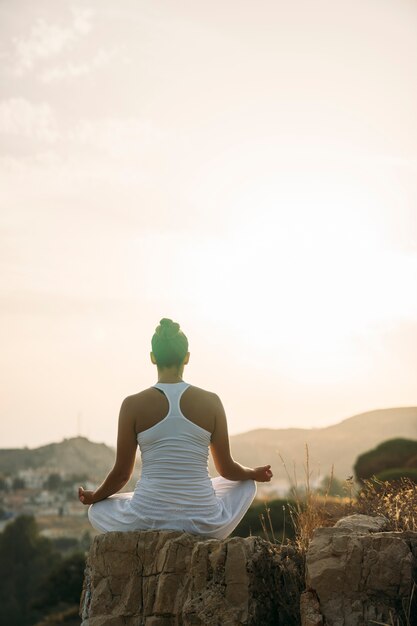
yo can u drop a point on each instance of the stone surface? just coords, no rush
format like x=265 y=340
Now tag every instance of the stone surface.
x=363 y=523
x=169 y=578
x=310 y=609
x=358 y=575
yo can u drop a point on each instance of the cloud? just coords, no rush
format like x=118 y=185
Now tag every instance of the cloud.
x=101 y=59
x=107 y=155
x=120 y=137
x=24 y=118
x=47 y=40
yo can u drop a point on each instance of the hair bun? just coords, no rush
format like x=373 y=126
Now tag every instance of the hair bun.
x=167 y=328
x=165 y=321
x=169 y=344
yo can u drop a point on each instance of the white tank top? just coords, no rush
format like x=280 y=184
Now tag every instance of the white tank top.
x=174 y=459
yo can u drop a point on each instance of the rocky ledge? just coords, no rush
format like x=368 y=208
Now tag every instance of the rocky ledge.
x=170 y=578
x=356 y=574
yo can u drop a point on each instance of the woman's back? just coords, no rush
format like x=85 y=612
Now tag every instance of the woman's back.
x=175 y=456
x=151 y=406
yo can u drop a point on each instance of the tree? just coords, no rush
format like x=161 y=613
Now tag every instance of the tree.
x=25 y=559
x=63 y=584
x=18 y=483
x=394 y=454
x=397 y=474
x=53 y=482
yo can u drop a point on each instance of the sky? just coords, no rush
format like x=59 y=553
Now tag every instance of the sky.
x=248 y=169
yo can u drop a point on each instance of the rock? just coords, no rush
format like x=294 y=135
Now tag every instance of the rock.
x=170 y=578
x=356 y=575
x=363 y=523
x=310 y=609
x=359 y=575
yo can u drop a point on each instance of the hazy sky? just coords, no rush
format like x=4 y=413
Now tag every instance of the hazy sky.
x=246 y=168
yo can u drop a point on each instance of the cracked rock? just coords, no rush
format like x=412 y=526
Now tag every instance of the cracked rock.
x=360 y=576
x=170 y=578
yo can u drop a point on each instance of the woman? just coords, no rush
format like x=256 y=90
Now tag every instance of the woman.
x=174 y=424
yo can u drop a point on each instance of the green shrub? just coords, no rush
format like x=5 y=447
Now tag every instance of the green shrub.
x=412 y=462
x=391 y=454
x=397 y=474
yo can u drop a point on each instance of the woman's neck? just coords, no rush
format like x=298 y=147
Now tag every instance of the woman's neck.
x=169 y=376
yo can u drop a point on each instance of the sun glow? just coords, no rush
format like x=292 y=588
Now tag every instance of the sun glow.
x=296 y=283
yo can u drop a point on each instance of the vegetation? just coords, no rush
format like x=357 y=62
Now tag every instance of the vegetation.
x=397 y=474
x=333 y=487
x=35 y=579
x=53 y=482
x=67 y=617
x=18 y=483
x=317 y=507
x=407 y=612
x=268 y=521
x=390 y=460
x=397 y=502
x=62 y=585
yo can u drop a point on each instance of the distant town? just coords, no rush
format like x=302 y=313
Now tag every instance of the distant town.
x=52 y=494
x=44 y=494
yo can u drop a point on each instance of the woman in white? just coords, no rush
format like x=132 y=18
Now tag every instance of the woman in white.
x=174 y=424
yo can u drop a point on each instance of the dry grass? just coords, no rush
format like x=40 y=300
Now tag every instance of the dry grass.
x=67 y=617
x=397 y=501
x=309 y=510
x=406 y=618
x=313 y=509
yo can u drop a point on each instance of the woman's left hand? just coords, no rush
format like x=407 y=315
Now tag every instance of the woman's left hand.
x=263 y=474
x=84 y=496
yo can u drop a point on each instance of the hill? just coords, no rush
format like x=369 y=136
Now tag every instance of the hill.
x=338 y=445
x=71 y=456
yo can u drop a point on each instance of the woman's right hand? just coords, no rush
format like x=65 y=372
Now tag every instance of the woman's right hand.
x=262 y=474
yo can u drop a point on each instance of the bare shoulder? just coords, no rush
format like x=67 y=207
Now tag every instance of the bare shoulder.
x=141 y=398
x=202 y=407
x=209 y=397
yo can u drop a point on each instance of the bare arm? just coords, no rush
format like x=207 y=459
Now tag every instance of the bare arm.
x=223 y=460
x=125 y=459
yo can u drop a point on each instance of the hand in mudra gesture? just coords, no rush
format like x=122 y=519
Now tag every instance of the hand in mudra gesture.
x=262 y=474
x=85 y=496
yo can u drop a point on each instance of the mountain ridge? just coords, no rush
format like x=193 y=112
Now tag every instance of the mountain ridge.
x=337 y=445
x=336 y=424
